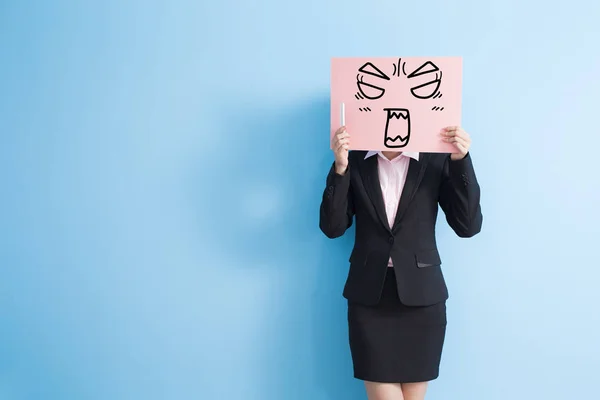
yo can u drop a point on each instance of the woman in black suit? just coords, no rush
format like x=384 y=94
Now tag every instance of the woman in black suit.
x=395 y=287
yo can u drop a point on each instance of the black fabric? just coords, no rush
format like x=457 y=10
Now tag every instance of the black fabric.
x=392 y=342
x=432 y=182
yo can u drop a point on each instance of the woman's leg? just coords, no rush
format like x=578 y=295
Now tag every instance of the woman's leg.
x=414 y=391
x=384 y=391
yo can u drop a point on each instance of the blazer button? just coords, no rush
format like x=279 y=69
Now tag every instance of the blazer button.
x=330 y=189
x=391 y=240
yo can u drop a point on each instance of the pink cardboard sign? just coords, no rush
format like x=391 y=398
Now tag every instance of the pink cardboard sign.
x=396 y=104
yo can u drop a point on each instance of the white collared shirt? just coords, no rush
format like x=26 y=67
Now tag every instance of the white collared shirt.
x=392 y=177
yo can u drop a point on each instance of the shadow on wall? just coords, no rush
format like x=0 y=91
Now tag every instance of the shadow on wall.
x=259 y=191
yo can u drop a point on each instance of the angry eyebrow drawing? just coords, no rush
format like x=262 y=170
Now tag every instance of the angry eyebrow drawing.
x=424 y=83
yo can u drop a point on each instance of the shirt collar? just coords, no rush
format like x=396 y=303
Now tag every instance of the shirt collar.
x=412 y=154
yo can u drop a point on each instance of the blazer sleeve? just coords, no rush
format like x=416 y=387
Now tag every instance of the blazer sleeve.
x=460 y=197
x=337 y=209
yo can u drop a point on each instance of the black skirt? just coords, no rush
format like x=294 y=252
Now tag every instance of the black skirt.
x=392 y=342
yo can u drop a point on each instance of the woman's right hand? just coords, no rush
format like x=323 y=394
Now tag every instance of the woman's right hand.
x=340 y=145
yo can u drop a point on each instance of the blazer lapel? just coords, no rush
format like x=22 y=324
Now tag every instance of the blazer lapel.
x=416 y=170
x=373 y=188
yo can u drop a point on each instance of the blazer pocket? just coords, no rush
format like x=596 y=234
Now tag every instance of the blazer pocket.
x=429 y=258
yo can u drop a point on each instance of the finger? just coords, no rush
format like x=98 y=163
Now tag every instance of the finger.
x=342 y=135
x=461 y=148
x=462 y=133
x=342 y=151
x=342 y=147
x=457 y=141
x=451 y=128
x=448 y=132
x=454 y=138
x=340 y=130
x=461 y=140
x=342 y=142
x=454 y=131
x=335 y=140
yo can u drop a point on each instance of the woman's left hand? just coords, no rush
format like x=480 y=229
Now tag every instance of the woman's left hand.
x=459 y=138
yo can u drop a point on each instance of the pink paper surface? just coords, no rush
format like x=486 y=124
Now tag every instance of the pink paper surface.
x=397 y=103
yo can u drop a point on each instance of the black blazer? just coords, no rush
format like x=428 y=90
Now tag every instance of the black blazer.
x=434 y=179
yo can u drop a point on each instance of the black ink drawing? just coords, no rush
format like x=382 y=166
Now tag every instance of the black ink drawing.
x=425 y=91
x=424 y=69
x=370 y=69
x=397 y=126
x=367 y=90
x=397 y=67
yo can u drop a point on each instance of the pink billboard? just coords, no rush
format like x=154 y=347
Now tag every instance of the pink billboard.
x=396 y=103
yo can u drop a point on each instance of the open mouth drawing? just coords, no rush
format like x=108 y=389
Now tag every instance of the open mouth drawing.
x=397 y=128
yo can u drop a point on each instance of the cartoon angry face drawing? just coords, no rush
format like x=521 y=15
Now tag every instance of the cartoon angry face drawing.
x=424 y=83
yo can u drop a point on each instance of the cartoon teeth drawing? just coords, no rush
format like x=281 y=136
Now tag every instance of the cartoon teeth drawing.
x=397 y=128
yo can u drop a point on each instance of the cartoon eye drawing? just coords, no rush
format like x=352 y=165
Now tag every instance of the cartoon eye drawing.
x=368 y=90
x=429 y=73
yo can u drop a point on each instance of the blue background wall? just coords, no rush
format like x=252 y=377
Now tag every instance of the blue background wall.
x=161 y=167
